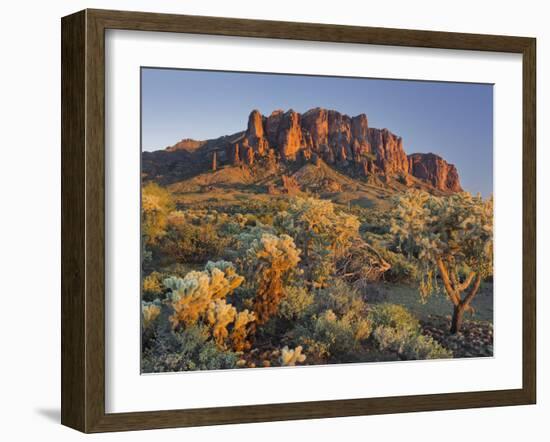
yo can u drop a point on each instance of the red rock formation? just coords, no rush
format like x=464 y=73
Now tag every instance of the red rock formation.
x=331 y=185
x=315 y=123
x=359 y=127
x=290 y=185
x=289 y=138
x=249 y=155
x=272 y=189
x=364 y=167
x=255 y=133
x=340 y=140
x=232 y=153
x=360 y=136
x=316 y=159
x=334 y=137
x=255 y=124
x=405 y=179
x=272 y=127
x=214 y=161
x=435 y=170
x=388 y=148
x=271 y=161
x=339 y=135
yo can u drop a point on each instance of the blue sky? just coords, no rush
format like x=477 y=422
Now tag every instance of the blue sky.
x=454 y=120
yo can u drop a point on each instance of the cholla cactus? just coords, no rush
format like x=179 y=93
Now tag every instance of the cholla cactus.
x=271 y=258
x=240 y=330
x=219 y=316
x=446 y=235
x=224 y=278
x=272 y=249
x=291 y=357
x=149 y=311
x=152 y=283
x=156 y=204
x=191 y=296
x=200 y=297
x=246 y=238
x=320 y=219
x=321 y=232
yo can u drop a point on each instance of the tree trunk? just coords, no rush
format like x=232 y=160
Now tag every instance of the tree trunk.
x=458 y=316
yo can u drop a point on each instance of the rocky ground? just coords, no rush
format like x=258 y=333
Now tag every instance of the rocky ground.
x=474 y=340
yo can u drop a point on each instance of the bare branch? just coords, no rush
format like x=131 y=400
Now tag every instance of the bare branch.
x=473 y=291
x=467 y=282
x=455 y=299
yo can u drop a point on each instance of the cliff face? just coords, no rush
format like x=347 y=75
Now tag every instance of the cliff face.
x=347 y=142
x=435 y=170
x=343 y=142
x=334 y=137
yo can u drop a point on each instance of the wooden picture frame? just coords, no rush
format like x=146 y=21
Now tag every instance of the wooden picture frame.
x=83 y=220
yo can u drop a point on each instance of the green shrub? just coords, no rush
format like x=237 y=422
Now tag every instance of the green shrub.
x=189 y=243
x=317 y=352
x=402 y=269
x=337 y=335
x=395 y=329
x=328 y=338
x=188 y=349
x=342 y=317
x=391 y=338
x=230 y=228
x=424 y=347
x=340 y=298
x=296 y=303
x=394 y=316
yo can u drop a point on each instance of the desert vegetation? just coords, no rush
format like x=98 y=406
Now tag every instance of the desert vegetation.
x=310 y=238
x=235 y=278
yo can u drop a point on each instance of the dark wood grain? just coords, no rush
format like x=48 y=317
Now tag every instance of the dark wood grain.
x=73 y=252
x=95 y=221
x=83 y=220
x=146 y=21
x=529 y=220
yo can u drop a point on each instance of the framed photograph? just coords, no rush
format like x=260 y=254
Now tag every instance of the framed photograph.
x=266 y=221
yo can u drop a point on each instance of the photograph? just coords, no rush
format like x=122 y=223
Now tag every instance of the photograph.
x=306 y=220
x=292 y=220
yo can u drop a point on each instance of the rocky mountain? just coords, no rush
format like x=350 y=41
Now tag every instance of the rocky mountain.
x=435 y=170
x=347 y=144
x=187 y=144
